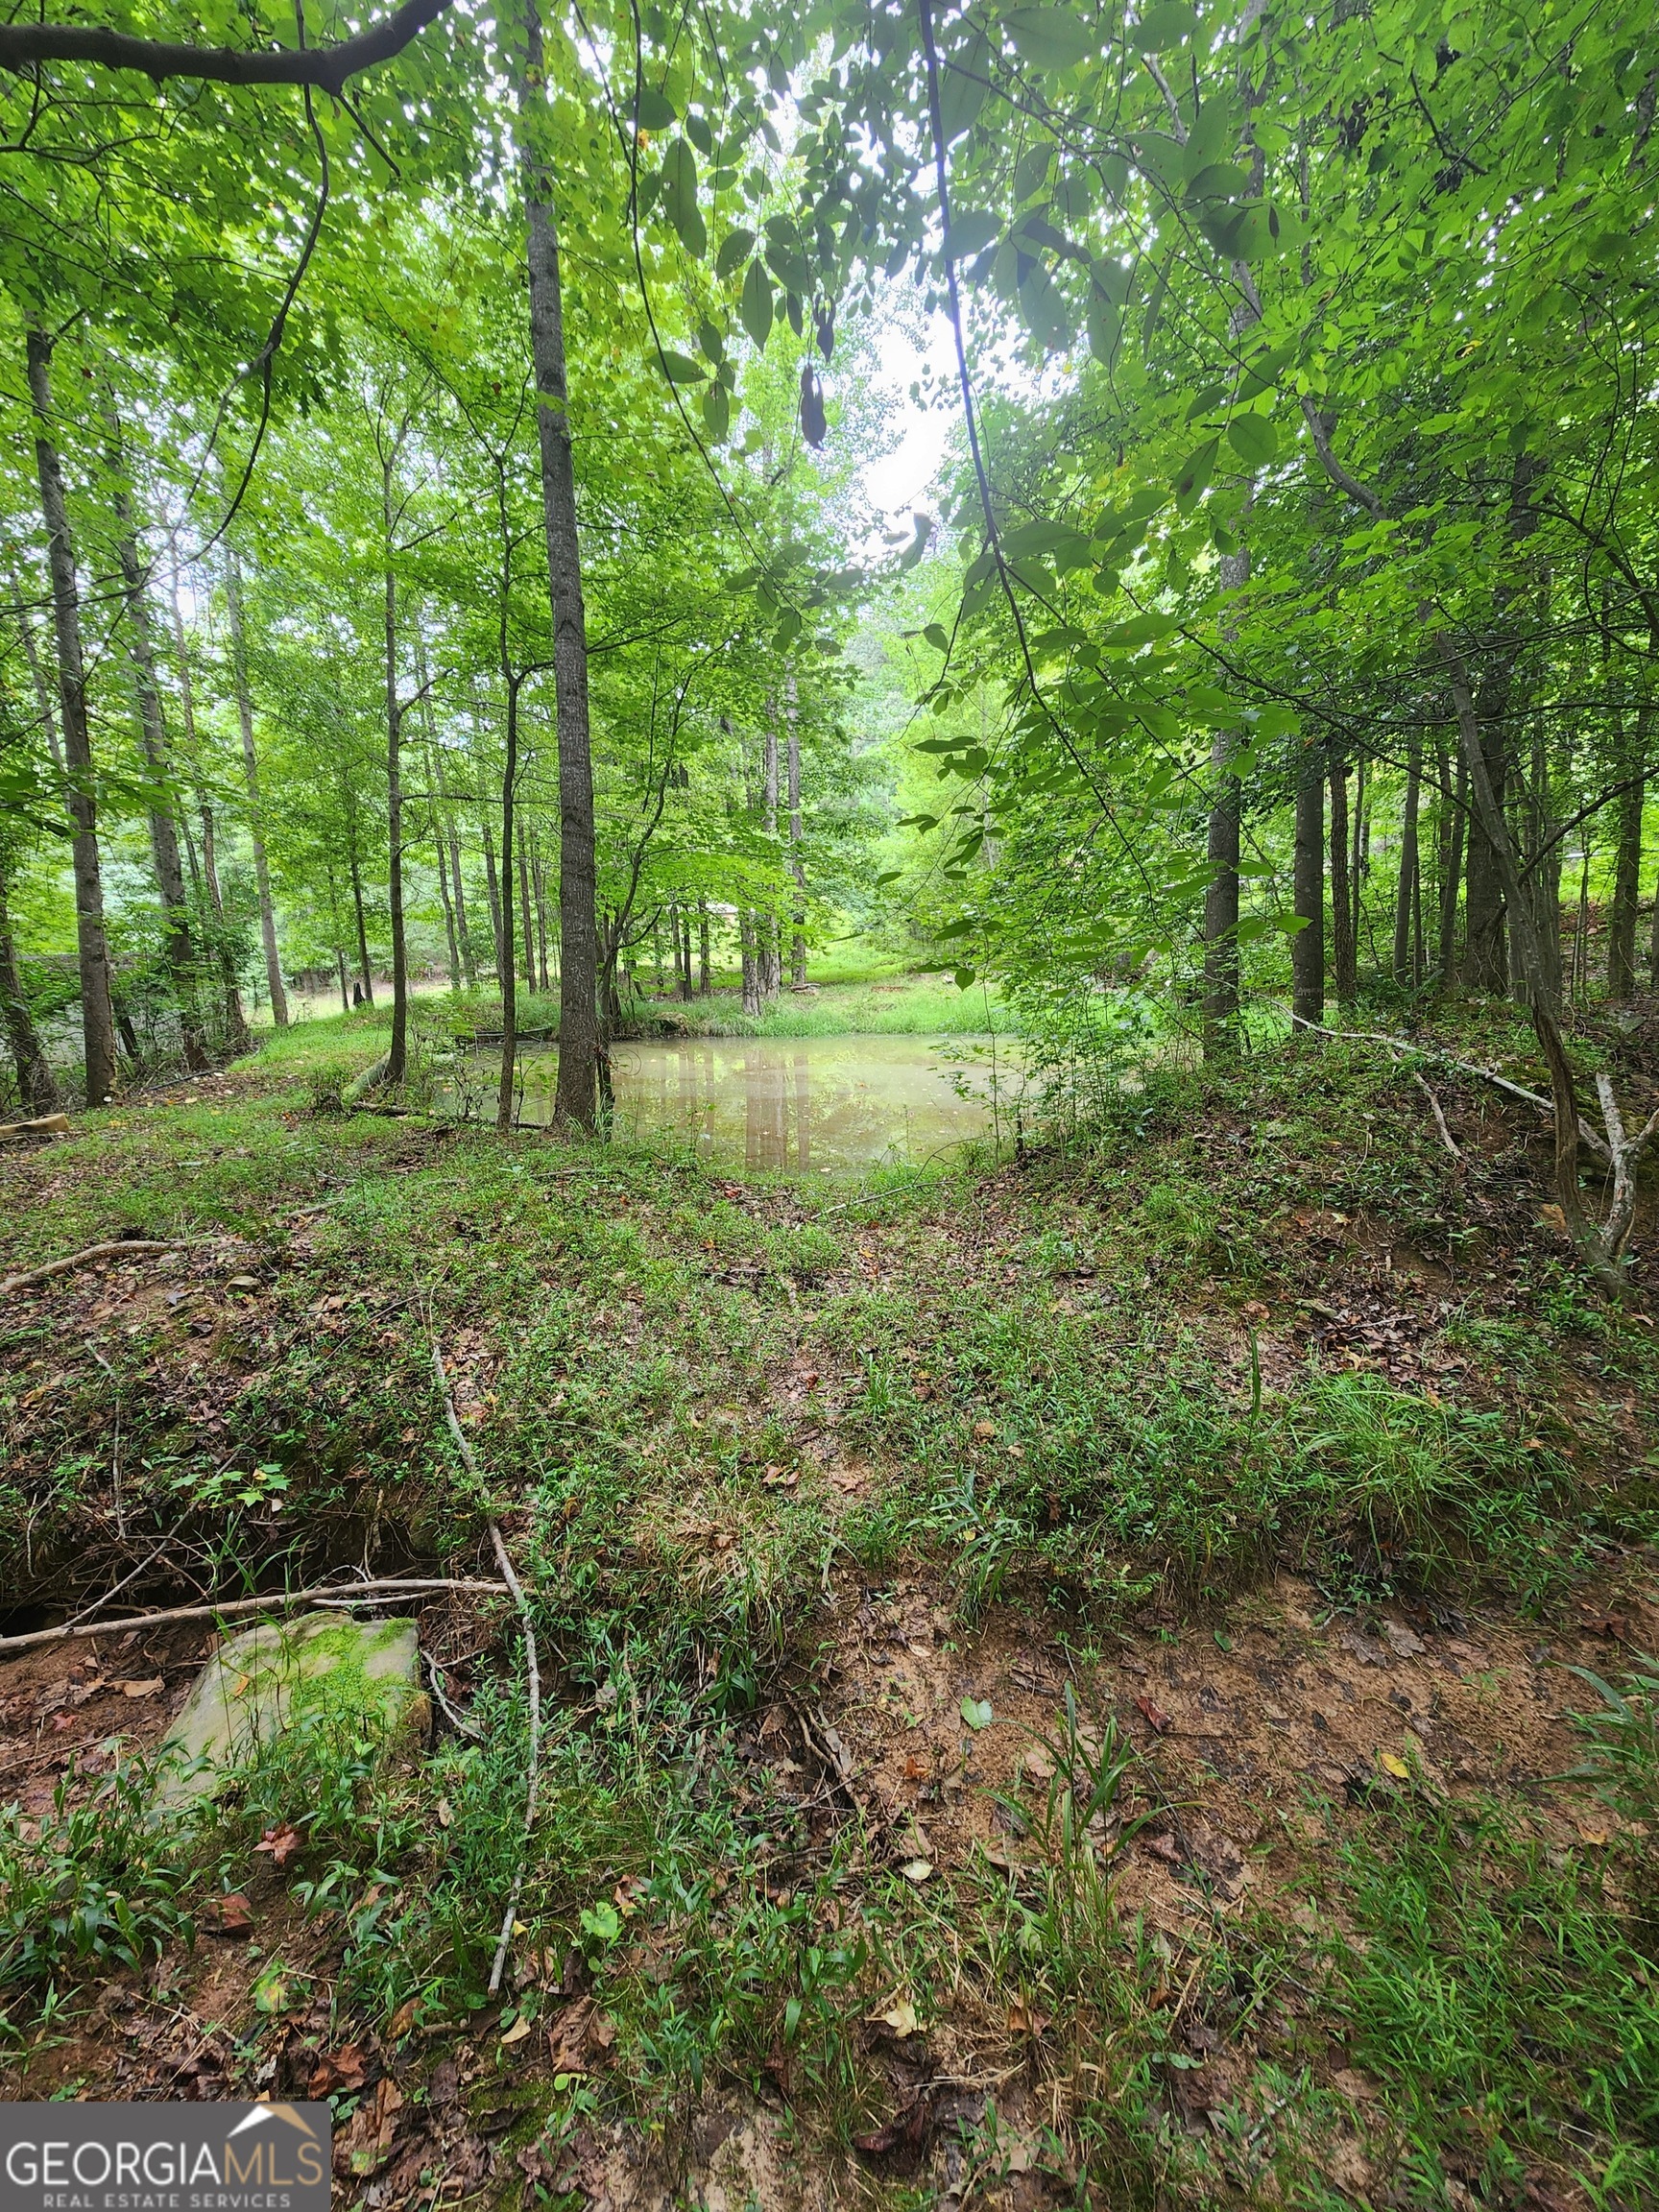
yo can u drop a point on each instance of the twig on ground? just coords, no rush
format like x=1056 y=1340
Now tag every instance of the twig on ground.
x=279 y=1602
x=457 y=1720
x=1446 y=1136
x=531 y=1661
x=125 y=1248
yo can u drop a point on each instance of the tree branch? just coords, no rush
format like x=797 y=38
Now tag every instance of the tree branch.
x=25 y=46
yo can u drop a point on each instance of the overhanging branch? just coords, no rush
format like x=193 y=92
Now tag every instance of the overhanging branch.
x=24 y=46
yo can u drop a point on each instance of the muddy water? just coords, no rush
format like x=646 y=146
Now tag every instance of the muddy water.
x=811 y=1104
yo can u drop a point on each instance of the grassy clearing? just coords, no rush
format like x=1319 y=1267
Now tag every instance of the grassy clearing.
x=1250 y=1328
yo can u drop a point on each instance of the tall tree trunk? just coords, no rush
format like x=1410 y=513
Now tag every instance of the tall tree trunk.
x=525 y=921
x=35 y=1085
x=362 y=967
x=769 y=965
x=255 y=812
x=398 y=1053
x=1485 y=946
x=751 y=967
x=507 y=974
x=493 y=884
x=1455 y=818
x=1344 y=966
x=1308 y=893
x=97 y=1006
x=450 y=836
x=42 y=687
x=798 y=940
x=703 y=963
x=1406 y=898
x=579 y=1033
x=1628 y=863
x=450 y=940
x=345 y=979
x=539 y=885
x=236 y=1038
x=1544 y=863
x=153 y=743
x=1221 y=1008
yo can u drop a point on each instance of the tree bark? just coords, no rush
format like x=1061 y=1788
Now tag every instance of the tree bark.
x=796 y=868
x=398 y=1052
x=576 y=1101
x=236 y=1040
x=1307 y=894
x=255 y=812
x=97 y=1004
x=153 y=743
x=768 y=961
x=1221 y=1006
x=1628 y=863
x=1344 y=964
x=704 y=984
x=525 y=921
x=1453 y=820
x=450 y=940
x=1406 y=898
x=507 y=974
x=35 y=1085
x=750 y=967
x=362 y=967
x=493 y=885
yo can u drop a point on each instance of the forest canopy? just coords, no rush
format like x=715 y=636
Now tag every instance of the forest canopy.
x=439 y=536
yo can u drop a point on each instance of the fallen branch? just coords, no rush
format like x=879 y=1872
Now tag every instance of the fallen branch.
x=1592 y=1142
x=279 y=1602
x=1446 y=1136
x=531 y=1666
x=121 y=1248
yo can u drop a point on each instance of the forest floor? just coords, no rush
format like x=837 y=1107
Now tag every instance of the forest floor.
x=1061 y=1675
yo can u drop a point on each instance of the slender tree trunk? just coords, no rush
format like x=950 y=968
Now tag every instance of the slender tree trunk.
x=704 y=984
x=449 y=938
x=579 y=1033
x=255 y=812
x=43 y=685
x=97 y=1005
x=493 y=885
x=450 y=836
x=507 y=974
x=1406 y=900
x=398 y=1053
x=1455 y=800
x=1343 y=963
x=1361 y=857
x=236 y=1038
x=539 y=885
x=524 y=909
x=35 y=1085
x=767 y=951
x=797 y=943
x=1221 y=1007
x=1307 y=894
x=750 y=967
x=362 y=967
x=345 y=979
x=1628 y=864
x=153 y=743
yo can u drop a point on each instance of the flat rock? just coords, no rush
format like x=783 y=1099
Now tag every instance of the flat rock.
x=319 y=1668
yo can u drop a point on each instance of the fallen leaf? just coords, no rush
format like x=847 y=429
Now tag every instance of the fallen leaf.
x=984 y=1428
x=1154 y=1717
x=279 y=1844
x=899 y=2016
x=344 y=2069
x=518 y=2031
x=776 y=1479
x=403 y=2020
x=230 y=1915
x=1391 y=1762
x=1026 y=2020
x=1594 y=1839
x=1610 y=1625
x=1038 y=1767
x=1162 y=1848
x=1404 y=1643
x=446 y=1814
x=916 y=1869
x=909 y=2127
x=976 y=1711
x=144 y=1689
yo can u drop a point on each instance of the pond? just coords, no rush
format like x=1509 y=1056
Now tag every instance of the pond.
x=813 y=1105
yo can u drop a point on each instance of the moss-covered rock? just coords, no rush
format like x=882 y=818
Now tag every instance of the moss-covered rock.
x=322 y=1668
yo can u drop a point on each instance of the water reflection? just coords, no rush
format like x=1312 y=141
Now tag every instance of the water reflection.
x=809 y=1104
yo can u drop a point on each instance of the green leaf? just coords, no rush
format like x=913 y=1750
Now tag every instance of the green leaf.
x=1139 y=630
x=681 y=368
x=735 y=247
x=716 y=412
x=936 y=637
x=1218 y=181
x=1164 y=26
x=1254 y=439
x=1105 y=329
x=971 y=229
x=709 y=341
x=963 y=86
x=656 y=108
x=701 y=137
x=680 y=198
x=1049 y=37
x=976 y=1711
x=754 y=307
x=1191 y=480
